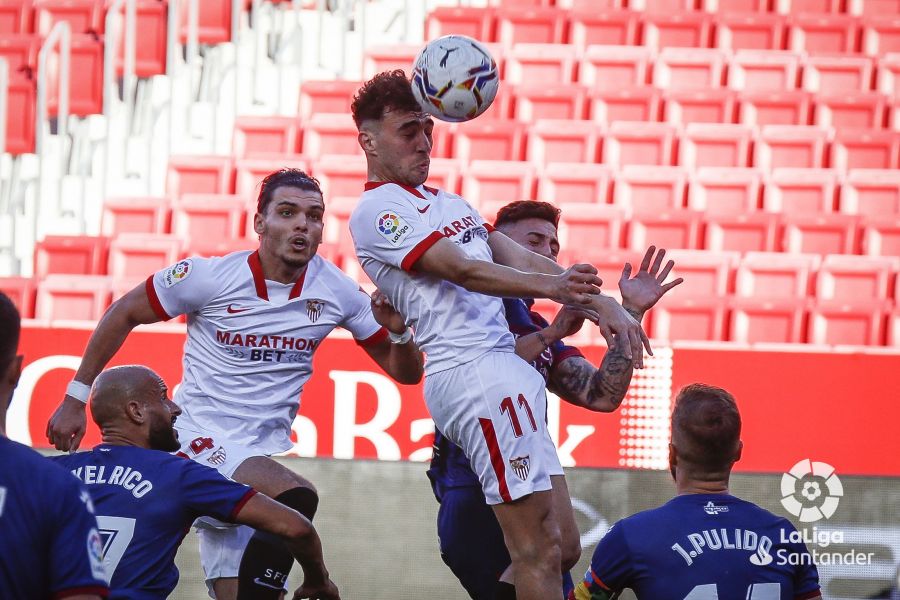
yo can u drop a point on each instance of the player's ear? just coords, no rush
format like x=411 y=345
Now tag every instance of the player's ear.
x=259 y=225
x=136 y=411
x=740 y=449
x=367 y=141
x=14 y=371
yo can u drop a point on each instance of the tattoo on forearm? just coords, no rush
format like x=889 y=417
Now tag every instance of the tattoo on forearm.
x=606 y=385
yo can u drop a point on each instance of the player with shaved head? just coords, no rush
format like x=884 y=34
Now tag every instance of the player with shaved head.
x=704 y=543
x=146 y=499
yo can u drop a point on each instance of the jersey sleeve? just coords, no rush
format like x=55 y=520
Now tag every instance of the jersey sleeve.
x=207 y=492
x=182 y=288
x=806 y=576
x=76 y=551
x=611 y=568
x=560 y=350
x=392 y=231
x=359 y=320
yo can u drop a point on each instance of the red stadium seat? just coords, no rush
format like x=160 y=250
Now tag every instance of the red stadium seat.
x=342 y=176
x=489 y=140
x=548 y=101
x=71 y=255
x=823 y=33
x=888 y=80
x=871 y=192
x=574 y=182
x=20 y=114
x=330 y=96
x=474 y=22
x=787 y=7
x=735 y=6
x=83 y=16
x=755 y=320
x=135 y=215
x=685 y=30
x=820 y=234
x=199 y=174
x=801 y=191
x=134 y=255
x=86 y=90
x=337 y=227
x=498 y=180
x=799 y=147
x=614 y=67
x=775 y=108
x=545 y=63
x=632 y=143
x=700 y=106
x=389 y=57
x=609 y=263
x=764 y=70
x=881 y=35
x=838 y=73
x=589 y=26
x=714 y=145
x=330 y=133
x=72 y=297
x=648 y=189
x=741 y=232
x=530 y=25
x=699 y=318
x=444 y=174
x=150 y=50
x=16 y=16
x=568 y=141
x=21 y=291
x=850 y=110
x=705 y=273
x=851 y=278
x=264 y=134
x=20 y=51
x=689 y=68
x=626 y=104
x=893 y=336
x=663 y=6
x=664 y=229
x=588 y=231
x=865 y=149
x=249 y=172
x=873 y=8
x=221 y=247
x=880 y=235
x=213 y=21
x=725 y=191
x=854 y=323
x=771 y=275
x=748 y=31
x=197 y=217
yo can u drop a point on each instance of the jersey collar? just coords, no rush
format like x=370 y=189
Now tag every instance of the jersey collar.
x=371 y=185
x=259 y=280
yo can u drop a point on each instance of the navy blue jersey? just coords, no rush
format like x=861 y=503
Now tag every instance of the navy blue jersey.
x=146 y=501
x=49 y=544
x=449 y=466
x=701 y=547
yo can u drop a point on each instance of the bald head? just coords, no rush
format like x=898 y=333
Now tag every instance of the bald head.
x=131 y=405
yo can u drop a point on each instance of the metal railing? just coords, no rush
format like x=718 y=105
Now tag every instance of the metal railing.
x=60 y=35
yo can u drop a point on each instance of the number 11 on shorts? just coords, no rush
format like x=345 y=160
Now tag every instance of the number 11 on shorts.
x=509 y=408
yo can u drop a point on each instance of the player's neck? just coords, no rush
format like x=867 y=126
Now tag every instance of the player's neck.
x=692 y=486
x=277 y=270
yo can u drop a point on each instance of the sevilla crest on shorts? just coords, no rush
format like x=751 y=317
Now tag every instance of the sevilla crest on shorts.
x=520 y=466
x=314 y=309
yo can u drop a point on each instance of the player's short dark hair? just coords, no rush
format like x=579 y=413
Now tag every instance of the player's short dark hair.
x=527 y=209
x=706 y=427
x=387 y=91
x=285 y=178
x=10 y=326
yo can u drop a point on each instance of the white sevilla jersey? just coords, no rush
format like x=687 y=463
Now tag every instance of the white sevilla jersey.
x=250 y=341
x=392 y=227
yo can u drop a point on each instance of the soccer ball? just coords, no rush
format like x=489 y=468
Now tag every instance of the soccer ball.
x=455 y=78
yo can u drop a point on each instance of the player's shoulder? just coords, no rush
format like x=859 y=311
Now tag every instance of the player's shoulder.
x=25 y=460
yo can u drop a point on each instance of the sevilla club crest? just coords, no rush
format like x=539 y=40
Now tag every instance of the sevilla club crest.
x=314 y=309
x=520 y=466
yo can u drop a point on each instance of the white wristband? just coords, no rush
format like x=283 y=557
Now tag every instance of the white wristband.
x=79 y=391
x=400 y=338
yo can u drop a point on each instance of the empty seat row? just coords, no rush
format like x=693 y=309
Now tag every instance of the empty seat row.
x=873 y=34
x=783 y=7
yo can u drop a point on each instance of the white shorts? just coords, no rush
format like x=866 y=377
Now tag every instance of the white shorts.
x=495 y=409
x=221 y=544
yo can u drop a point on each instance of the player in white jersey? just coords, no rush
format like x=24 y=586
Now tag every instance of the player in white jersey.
x=254 y=320
x=444 y=268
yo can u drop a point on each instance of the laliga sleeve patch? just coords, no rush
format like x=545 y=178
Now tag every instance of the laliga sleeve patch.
x=177 y=273
x=95 y=555
x=392 y=227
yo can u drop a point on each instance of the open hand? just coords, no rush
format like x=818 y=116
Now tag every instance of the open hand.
x=646 y=287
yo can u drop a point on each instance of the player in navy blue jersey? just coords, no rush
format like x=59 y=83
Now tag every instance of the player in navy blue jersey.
x=146 y=499
x=49 y=543
x=471 y=540
x=704 y=544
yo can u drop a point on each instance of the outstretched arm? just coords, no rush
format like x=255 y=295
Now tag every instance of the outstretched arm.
x=401 y=360
x=301 y=538
x=68 y=423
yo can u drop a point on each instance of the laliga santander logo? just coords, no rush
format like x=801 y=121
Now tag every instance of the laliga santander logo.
x=811 y=491
x=388 y=223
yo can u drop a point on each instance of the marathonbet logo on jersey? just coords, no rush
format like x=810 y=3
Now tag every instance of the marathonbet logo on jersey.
x=392 y=227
